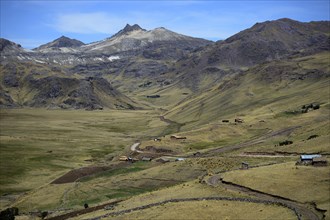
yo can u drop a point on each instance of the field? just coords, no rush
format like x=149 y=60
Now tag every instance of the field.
x=37 y=146
x=288 y=180
x=46 y=144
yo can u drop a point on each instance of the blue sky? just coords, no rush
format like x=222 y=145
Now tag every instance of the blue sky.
x=32 y=23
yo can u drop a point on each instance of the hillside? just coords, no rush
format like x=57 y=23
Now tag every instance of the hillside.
x=263 y=42
x=282 y=85
x=39 y=86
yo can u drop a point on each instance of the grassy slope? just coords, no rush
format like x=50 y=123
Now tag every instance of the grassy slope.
x=212 y=210
x=259 y=92
x=287 y=180
x=192 y=189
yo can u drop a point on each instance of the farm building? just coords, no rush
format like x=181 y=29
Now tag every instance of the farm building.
x=319 y=161
x=245 y=166
x=308 y=158
x=239 y=120
x=179 y=159
x=123 y=158
x=146 y=159
x=175 y=137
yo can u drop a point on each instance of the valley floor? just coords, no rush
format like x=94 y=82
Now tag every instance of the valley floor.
x=56 y=161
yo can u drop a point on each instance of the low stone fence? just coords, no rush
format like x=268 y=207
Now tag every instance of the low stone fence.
x=266 y=202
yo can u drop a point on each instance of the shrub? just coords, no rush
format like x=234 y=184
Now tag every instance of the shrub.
x=316 y=106
x=312 y=136
x=286 y=142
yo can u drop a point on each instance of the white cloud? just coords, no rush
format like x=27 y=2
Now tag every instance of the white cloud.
x=88 y=23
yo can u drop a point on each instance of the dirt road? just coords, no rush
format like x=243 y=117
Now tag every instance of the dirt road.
x=134 y=146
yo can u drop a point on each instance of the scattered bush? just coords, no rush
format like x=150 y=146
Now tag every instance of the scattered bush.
x=286 y=142
x=307 y=107
x=44 y=214
x=9 y=213
x=153 y=96
x=315 y=107
x=312 y=136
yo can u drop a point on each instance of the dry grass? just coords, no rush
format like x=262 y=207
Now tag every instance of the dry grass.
x=38 y=145
x=300 y=183
x=212 y=210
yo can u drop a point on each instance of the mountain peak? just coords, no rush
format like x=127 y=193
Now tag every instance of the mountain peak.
x=127 y=29
x=62 y=41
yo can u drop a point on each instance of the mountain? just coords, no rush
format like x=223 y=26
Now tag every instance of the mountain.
x=178 y=69
x=263 y=42
x=135 y=40
x=9 y=47
x=128 y=28
x=59 y=44
x=270 y=40
x=41 y=86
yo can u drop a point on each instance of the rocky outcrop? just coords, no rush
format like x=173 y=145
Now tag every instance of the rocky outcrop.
x=7 y=46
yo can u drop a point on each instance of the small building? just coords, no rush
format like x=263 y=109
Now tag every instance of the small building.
x=309 y=157
x=245 y=166
x=319 y=161
x=175 y=137
x=179 y=159
x=123 y=158
x=146 y=159
x=157 y=139
x=239 y=120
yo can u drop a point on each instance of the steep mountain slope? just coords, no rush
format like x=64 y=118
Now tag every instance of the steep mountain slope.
x=40 y=86
x=266 y=41
x=271 y=40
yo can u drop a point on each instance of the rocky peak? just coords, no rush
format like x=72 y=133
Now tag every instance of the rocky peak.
x=127 y=29
x=9 y=46
x=63 y=41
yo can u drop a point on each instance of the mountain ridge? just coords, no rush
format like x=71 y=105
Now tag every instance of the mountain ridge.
x=142 y=63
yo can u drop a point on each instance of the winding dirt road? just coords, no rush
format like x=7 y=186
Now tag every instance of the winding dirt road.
x=134 y=146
